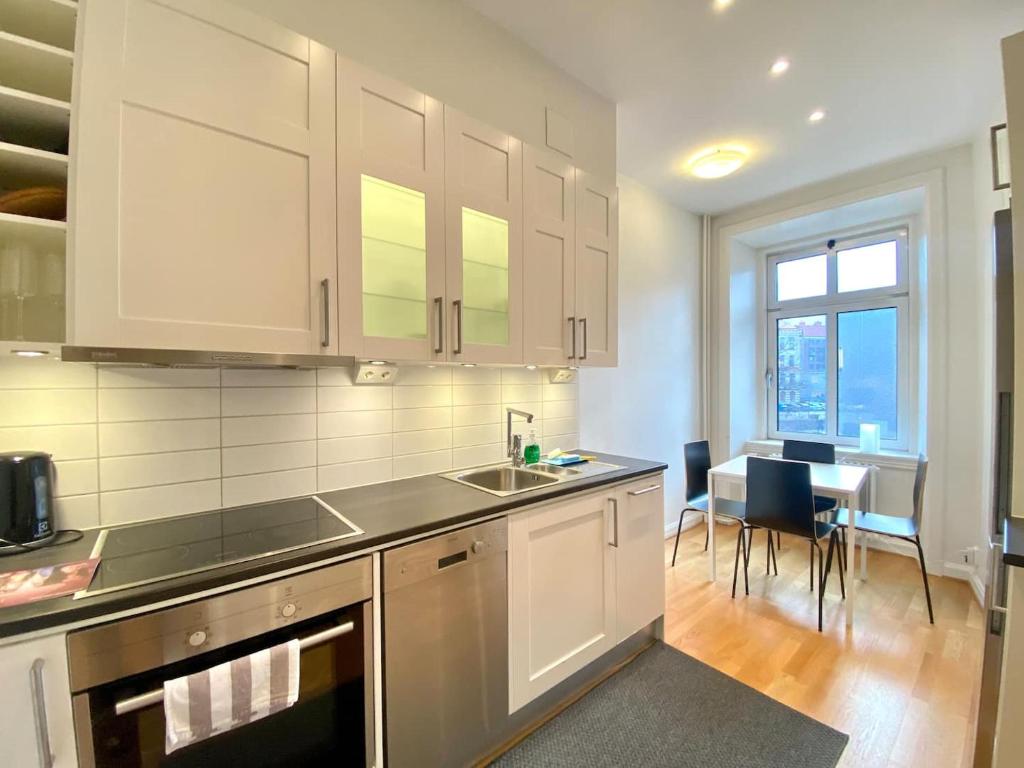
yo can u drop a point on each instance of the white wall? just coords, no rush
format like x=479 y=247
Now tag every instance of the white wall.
x=650 y=405
x=451 y=52
x=958 y=425
x=142 y=443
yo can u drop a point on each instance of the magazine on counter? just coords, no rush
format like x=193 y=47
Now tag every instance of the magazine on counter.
x=28 y=586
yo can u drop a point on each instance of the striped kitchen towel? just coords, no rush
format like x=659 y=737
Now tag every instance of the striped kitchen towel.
x=230 y=695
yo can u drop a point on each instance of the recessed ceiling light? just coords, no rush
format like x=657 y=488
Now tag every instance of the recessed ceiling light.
x=29 y=352
x=721 y=5
x=469 y=365
x=716 y=162
x=779 y=66
x=531 y=367
x=816 y=116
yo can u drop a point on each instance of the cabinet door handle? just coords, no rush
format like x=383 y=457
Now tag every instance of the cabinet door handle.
x=325 y=297
x=39 y=711
x=457 y=307
x=583 y=325
x=615 y=521
x=645 y=490
x=439 y=304
x=572 y=332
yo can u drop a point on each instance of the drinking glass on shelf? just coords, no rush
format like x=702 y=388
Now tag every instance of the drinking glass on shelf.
x=10 y=286
x=28 y=288
x=51 y=299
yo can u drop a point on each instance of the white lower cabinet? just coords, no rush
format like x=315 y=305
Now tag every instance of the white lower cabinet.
x=35 y=709
x=640 y=556
x=584 y=574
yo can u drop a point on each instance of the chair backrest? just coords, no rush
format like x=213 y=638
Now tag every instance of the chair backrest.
x=697 y=457
x=805 y=450
x=919 y=478
x=779 y=496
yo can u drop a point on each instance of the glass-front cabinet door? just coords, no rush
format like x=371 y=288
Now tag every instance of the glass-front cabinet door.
x=391 y=218
x=484 y=239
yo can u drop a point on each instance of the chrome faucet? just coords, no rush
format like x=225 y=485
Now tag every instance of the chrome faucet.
x=514 y=443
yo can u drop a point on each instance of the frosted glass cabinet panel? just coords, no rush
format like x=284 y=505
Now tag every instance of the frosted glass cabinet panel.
x=485 y=292
x=394 y=260
x=484 y=266
x=391 y=218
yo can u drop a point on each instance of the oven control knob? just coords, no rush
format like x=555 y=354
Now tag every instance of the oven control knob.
x=478 y=547
x=288 y=610
x=197 y=638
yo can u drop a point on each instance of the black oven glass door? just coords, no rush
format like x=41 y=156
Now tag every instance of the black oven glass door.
x=326 y=726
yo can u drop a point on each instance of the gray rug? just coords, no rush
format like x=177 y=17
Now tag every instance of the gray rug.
x=668 y=709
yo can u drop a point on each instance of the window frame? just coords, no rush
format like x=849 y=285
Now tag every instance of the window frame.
x=831 y=305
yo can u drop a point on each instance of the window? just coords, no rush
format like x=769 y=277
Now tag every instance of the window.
x=838 y=341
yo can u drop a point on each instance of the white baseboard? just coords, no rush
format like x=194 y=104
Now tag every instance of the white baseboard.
x=966 y=573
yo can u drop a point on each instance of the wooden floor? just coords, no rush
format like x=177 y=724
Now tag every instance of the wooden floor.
x=905 y=691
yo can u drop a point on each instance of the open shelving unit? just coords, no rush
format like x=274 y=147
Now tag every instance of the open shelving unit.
x=37 y=40
x=51 y=22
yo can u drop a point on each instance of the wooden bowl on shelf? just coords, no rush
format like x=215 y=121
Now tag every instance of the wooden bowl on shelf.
x=40 y=202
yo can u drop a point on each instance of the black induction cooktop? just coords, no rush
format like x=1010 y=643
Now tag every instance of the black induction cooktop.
x=146 y=552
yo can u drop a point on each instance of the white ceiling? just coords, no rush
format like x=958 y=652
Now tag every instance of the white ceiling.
x=896 y=77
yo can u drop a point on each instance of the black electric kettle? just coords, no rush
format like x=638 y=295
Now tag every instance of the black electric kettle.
x=26 y=499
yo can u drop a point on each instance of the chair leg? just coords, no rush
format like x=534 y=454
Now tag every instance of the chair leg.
x=778 y=541
x=821 y=579
x=736 y=563
x=707 y=532
x=841 y=563
x=747 y=547
x=813 y=545
x=924 y=575
x=679 y=530
x=768 y=556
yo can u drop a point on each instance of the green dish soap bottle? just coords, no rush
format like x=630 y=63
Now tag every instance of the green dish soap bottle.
x=531 y=453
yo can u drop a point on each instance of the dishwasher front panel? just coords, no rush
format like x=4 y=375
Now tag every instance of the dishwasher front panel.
x=446 y=647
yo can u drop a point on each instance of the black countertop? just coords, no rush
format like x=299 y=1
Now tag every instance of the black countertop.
x=387 y=512
x=1013 y=541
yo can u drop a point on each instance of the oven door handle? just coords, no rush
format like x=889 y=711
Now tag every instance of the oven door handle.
x=150 y=698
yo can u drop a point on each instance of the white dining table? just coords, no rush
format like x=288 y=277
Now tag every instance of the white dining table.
x=837 y=481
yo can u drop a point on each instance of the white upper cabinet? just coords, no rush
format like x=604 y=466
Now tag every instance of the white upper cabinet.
x=484 y=241
x=597 y=271
x=390 y=218
x=204 y=207
x=549 y=257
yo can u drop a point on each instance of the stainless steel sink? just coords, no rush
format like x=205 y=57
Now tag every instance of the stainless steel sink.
x=506 y=480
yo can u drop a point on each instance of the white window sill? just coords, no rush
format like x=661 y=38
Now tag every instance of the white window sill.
x=893 y=459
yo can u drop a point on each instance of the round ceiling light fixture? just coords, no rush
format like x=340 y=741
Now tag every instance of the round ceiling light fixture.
x=716 y=162
x=721 y=5
x=816 y=116
x=780 y=66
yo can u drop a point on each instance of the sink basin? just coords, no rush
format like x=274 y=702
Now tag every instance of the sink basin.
x=551 y=469
x=505 y=481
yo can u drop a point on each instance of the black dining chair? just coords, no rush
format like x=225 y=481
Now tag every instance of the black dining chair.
x=697 y=460
x=818 y=453
x=905 y=528
x=779 y=498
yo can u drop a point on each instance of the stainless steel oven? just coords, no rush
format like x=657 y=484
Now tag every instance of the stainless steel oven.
x=118 y=669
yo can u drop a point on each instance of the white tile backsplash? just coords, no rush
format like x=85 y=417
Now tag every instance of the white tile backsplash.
x=134 y=443
x=158 y=404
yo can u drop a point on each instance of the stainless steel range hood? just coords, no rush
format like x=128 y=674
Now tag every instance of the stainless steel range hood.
x=183 y=358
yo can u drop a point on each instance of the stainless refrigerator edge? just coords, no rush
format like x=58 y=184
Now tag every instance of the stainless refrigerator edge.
x=995 y=591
